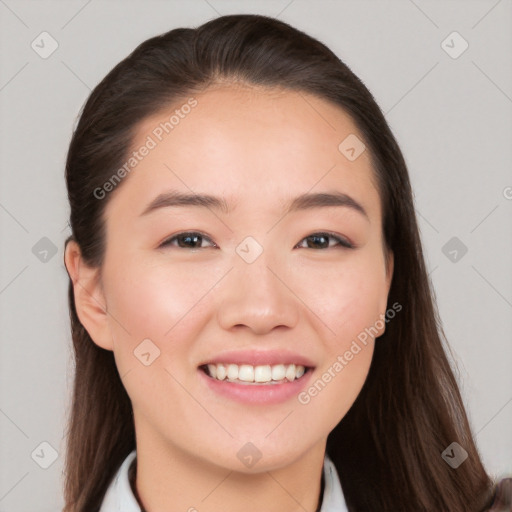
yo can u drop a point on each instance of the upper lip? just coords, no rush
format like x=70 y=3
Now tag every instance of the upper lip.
x=260 y=358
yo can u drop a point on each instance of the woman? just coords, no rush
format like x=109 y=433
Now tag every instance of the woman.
x=251 y=314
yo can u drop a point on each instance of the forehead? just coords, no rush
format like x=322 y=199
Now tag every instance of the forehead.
x=249 y=144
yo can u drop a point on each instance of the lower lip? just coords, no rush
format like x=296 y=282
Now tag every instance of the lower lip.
x=255 y=393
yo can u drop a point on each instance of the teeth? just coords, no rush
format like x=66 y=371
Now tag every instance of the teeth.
x=246 y=373
x=278 y=372
x=290 y=372
x=232 y=371
x=263 y=373
x=252 y=374
x=212 y=370
x=221 y=371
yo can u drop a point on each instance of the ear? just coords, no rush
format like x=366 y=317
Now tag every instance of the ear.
x=390 y=265
x=389 y=262
x=89 y=296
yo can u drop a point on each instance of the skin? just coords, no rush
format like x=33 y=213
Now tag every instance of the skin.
x=257 y=148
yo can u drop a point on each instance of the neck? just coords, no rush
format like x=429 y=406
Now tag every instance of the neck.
x=170 y=476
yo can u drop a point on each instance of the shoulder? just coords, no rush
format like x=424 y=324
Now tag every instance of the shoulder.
x=502 y=501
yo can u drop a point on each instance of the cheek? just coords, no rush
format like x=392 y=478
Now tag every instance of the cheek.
x=168 y=305
x=156 y=314
x=347 y=298
x=349 y=302
x=151 y=298
x=336 y=385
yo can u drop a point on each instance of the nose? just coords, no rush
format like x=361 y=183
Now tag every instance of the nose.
x=258 y=297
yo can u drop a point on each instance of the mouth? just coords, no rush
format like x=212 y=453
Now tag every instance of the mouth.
x=260 y=375
x=256 y=376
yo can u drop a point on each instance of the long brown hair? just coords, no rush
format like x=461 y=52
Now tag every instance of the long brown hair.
x=387 y=449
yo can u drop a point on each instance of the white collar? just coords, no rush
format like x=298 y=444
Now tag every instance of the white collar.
x=119 y=496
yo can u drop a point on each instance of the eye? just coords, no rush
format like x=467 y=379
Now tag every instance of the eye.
x=194 y=239
x=186 y=240
x=321 y=241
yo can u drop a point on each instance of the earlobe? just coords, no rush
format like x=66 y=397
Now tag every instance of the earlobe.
x=89 y=297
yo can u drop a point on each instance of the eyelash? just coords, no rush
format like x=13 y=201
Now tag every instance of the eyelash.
x=341 y=242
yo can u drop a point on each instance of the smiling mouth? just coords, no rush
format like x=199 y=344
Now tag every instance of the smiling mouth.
x=255 y=375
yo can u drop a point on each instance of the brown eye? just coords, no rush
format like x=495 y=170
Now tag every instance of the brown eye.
x=321 y=241
x=186 y=240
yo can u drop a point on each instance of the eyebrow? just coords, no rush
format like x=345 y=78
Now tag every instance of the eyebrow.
x=303 y=202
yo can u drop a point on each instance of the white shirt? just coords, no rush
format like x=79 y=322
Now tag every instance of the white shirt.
x=120 y=498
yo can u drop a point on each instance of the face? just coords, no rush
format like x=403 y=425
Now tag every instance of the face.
x=253 y=279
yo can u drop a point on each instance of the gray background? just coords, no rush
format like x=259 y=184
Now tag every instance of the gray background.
x=451 y=116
